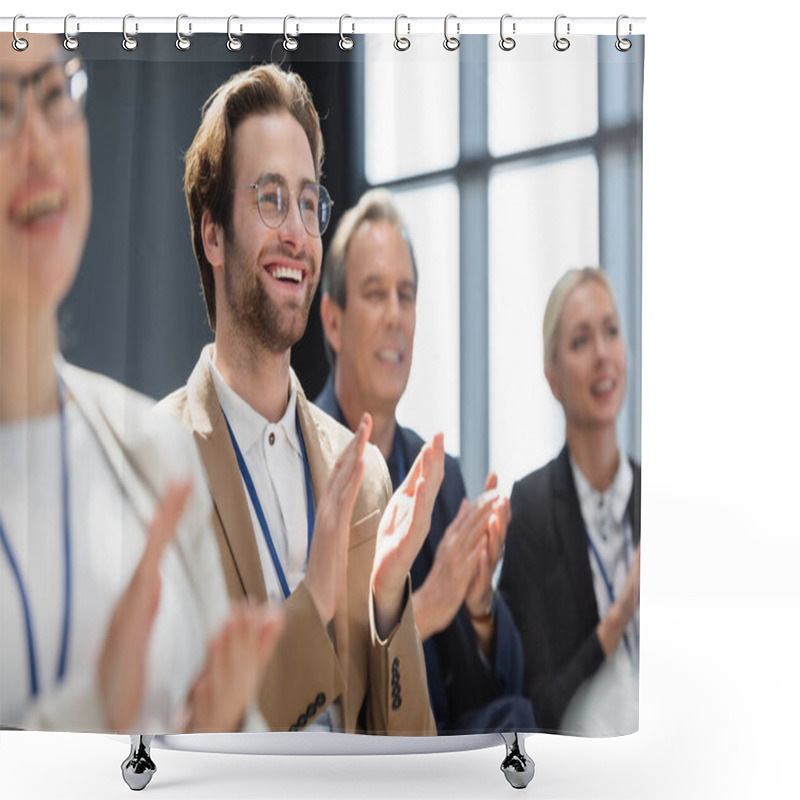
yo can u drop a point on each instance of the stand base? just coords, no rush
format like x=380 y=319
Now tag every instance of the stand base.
x=517 y=766
x=138 y=768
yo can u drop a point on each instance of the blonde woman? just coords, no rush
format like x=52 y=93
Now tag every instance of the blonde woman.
x=571 y=568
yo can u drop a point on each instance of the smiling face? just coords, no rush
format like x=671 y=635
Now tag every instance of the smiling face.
x=266 y=277
x=588 y=373
x=45 y=188
x=373 y=337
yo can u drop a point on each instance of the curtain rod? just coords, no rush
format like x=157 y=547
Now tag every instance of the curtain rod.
x=348 y=25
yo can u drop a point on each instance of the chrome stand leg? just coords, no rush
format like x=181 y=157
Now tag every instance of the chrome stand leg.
x=138 y=768
x=517 y=766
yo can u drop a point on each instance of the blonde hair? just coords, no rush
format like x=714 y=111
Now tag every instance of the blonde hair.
x=374 y=206
x=571 y=279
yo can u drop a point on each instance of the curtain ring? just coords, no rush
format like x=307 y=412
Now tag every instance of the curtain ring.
x=507 y=42
x=233 y=44
x=19 y=44
x=345 y=42
x=623 y=45
x=128 y=42
x=182 y=43
x=561 y=43
x=289 y=42
x=70 y=42
x=451 y=43
x=401 y=43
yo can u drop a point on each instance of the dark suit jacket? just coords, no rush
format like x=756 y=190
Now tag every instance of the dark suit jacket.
x=547 y=582
x=468 y=694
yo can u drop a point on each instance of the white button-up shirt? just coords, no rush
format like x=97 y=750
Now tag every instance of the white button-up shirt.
x=607 y=703
x=274 y=458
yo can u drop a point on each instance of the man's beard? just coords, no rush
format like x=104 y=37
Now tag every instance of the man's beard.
x=254 y=314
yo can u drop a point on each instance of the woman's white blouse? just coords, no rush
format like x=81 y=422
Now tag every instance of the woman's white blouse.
x=107 y=540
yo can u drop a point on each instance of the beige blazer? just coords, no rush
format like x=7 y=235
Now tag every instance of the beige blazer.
x=143 y=452
x=381 y=686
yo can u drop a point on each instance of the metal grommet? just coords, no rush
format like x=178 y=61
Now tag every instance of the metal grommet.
x=19 y=44
x=345 y=42
x=507 y=42
x=233 y=44
x=182 y=43
x=561 y=43
x=401 y=43
x=623 y=45
x=289 y=42
x=70 y=42
x=451 y=43
x=128 y=42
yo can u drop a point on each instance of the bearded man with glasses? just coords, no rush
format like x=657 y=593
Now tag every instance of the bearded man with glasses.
x=303 y=510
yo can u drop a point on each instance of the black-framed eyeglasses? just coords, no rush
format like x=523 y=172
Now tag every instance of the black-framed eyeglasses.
x=274 y=197
x=59 y=89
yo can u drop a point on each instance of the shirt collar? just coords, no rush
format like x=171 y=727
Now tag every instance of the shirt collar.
x=617 y=495
x=246 y=422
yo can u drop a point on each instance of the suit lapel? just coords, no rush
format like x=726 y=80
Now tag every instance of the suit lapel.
x=634 y=510
x=219 y=459
x=107 y=421
x=321 y=460
x=572 y=532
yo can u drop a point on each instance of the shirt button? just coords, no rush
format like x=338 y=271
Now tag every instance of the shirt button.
x=271 y=437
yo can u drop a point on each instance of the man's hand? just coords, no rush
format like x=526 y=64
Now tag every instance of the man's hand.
x=234 y=663
x=479 y=593
x=401 y=532
x=122 y=664
x=612 y=627
x=327 y=558
x=454 y=569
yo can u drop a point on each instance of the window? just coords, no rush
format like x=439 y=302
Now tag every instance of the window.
x=499 y=161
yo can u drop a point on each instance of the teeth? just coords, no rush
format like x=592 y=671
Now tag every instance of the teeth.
x=287 y=273
x=40 y=205
x=389 y=355
x=604 y=386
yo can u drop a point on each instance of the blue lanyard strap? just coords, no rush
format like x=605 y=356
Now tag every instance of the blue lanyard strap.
x=62 y=659
x=607 y=582
x=262 y=520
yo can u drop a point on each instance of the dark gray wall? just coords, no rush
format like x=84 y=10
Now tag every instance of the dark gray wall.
x=136 y=311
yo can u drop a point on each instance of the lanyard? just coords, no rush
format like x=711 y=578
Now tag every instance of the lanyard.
x=62 y=659
x=607 y=582
x=262 y=520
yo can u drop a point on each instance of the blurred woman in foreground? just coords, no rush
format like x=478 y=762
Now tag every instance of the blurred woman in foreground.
x=571 y=567
x=113 y=609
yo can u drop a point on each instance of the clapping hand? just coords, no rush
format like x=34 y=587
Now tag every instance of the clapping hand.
x=455 y=567
x=235 y=660
x=479 y=594
x=402 y=531
x=612 y=627
x=121 y=668
x=327 y=558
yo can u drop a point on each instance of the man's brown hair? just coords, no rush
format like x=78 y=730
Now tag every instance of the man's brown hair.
x=208 y=178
